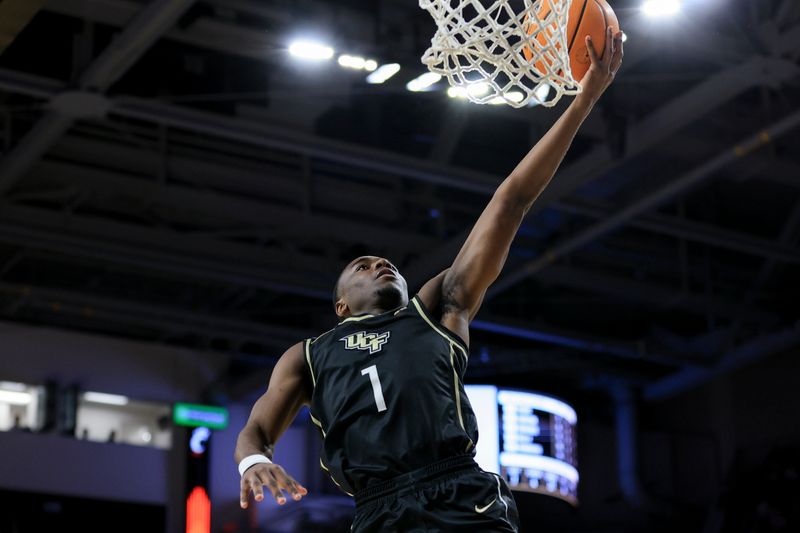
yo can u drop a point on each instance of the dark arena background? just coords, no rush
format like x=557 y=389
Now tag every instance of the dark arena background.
x=181 y=184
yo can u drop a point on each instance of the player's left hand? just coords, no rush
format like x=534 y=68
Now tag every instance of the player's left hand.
x=603 y=69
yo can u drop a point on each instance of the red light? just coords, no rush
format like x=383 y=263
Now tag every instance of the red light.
x=198 y=511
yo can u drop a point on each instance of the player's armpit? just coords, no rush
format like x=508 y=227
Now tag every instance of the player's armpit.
x=431 y=293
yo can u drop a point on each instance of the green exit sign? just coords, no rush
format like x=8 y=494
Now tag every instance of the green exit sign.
x=194 y=415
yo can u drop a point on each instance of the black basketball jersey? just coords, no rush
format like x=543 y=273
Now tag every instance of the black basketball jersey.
x=389 y=395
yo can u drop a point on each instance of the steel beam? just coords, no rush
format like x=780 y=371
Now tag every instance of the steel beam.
x=243 y=213
x=238 y=211
x=157 y=317
x=149 y=24
x=100 y=239
x=694 y=232
x=647 y=203
x=745 y=355
x=659 y=125
x=409 y=168
x=661 y=224
x=583 y=343
x=14 y=231
x=654 y=223
x=662 y=297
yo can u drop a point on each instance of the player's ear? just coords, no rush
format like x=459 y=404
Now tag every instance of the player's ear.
x=342 y=310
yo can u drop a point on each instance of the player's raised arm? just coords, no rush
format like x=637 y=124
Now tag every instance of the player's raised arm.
x=483 y=254
x=289 y=389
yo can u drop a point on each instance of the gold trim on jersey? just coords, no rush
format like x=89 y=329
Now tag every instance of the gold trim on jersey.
x=457 y=390
x=307 y=350
x=356 y=318
x=327 y=470
x=449 y=338
x=307 y=345
x=364 y=317
x=317 y=423
x=456 y=387
x=318 y=337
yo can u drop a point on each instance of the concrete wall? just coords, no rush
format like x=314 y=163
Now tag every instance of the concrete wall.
x=49 y=463
x=55 y=464
x=139 y=370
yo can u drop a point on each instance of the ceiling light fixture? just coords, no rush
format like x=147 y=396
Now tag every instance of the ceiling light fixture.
x=310 y=50
x=383 y=73
x=102 y=397
x=661 y=8
x=423 y=82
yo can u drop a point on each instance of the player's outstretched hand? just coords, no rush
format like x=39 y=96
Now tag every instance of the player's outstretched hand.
x=603 y=69
x=272 y=476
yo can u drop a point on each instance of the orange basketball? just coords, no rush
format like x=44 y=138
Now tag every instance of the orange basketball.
x=586 y=17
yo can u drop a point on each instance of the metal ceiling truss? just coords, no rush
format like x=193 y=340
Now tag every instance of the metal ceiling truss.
x=643 y=205
x=102 y=242
x=204 y=253
x=238 y=130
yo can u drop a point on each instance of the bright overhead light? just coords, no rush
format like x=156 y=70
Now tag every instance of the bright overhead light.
x=15 y=397
x=383 y=73
x=478 y=89
x=482 y=88
x=423 y=82
x=354 y=62
x=660 y=8
x=310 y=50
x=357 y=62
x=456 y=92
x=511 y=96
x=102 y=397
x=624 y=37
x=540 y=94
x=473 y=89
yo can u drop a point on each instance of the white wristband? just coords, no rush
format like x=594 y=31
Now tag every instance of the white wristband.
x=251 y=460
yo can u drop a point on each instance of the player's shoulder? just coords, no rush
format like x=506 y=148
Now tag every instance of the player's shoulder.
x=292 y=359
x=321 y=338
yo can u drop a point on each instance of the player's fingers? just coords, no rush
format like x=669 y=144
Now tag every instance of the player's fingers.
x=292 y=487
x=286 y=482
x=244 y=492
x=257 y=483
x=616 y=60
x=249 y=483
x=274 y=487
x=590 y=49
x=608 y=51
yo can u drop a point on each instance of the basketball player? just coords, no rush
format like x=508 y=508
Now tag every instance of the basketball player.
x=385 y=385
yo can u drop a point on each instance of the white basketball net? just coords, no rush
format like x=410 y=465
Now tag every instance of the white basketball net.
x=479 y=46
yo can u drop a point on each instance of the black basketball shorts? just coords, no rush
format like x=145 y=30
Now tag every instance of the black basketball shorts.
x=454 y=494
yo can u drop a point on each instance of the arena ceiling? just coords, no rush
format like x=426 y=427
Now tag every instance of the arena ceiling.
x=170 y=174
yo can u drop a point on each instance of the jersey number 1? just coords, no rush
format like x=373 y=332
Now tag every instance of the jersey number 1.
x=376 y=386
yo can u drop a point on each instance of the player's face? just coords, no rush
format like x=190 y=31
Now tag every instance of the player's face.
x=371 y=282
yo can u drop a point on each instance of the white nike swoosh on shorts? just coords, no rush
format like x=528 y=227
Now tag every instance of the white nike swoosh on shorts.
x=482 y=509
